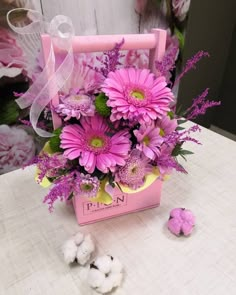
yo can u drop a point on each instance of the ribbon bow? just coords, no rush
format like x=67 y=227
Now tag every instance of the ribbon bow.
x=50 y=80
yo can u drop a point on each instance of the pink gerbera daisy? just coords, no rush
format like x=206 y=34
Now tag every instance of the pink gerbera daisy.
x=93 y=146
x=136 y=95
x=149 y=139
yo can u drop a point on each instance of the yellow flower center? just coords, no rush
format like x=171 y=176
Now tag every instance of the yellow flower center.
x=97 y=142
x=162 y=132
x=134 y=169
x=86 y=187
x=77 y=97
x=138 y=94
x=146 y=140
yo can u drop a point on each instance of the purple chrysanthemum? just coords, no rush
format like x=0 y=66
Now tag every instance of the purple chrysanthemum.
x=133 y=173
x=149 y=140
x=75 y=105
x=136 y=95
x=86 y=185
x=94 y=145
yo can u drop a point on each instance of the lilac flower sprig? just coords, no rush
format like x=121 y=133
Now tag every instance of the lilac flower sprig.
x=167 y=64
x=109 y=60
x=177 y=137
x=200 y=105
x=61 y=191
x=191 y=64
x=169 y=162
x=49 y=165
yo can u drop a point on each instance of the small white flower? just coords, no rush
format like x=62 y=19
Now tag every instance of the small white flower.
x=105 y=274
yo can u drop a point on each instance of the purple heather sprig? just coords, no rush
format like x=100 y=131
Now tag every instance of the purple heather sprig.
x=180 y=137
x=109 y=60
x=191 y=64
x=48 y=165
x=167 y=64
x=167 y=161
x=61 y=191
x=200 y=105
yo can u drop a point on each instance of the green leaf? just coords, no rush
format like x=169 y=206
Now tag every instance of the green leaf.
x=180 y=37
x=181 y=121
x=176 y=150
x=9 y=113
x=55 y=141
x=179 y=128
x=171 y=115
x=185 y=152
x=70 y=196
x=101 y=105
x=183 y=157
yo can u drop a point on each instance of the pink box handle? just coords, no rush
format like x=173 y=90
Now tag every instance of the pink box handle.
x=155 y=41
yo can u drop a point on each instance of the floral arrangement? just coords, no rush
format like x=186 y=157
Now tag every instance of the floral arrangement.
x=118 y=126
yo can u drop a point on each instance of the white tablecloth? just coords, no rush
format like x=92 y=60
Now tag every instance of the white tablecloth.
x=155 y=261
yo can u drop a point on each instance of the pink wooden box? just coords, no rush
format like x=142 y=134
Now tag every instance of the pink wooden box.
x=123 y=203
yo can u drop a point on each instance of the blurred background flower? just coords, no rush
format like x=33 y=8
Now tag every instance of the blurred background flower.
x=16 y=148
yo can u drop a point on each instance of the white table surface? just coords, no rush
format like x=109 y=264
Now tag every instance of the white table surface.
x=155 y=261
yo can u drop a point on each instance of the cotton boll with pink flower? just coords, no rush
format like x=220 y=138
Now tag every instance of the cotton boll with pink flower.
x=181 y=222
x=16 y=148
x=181 y=8
x=94 y=145
x=133 y=173
x=136 y=95
x=149 y=140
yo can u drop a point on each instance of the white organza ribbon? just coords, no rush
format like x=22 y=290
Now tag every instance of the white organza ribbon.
x=50 y=80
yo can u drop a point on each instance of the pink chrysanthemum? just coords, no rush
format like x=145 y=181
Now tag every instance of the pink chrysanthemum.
x=167 y=125
x=149 y=139
x=75 y=105
x=137 y=95
x=93 y=146
x=133 y=173
x=86 y=185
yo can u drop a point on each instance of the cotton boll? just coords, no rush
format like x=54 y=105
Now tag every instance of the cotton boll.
x=69 y=250
x=116 y=266
x=106 y=286
x=110 y=277
x=85 y=250
x=95 y=278
x=78 y=238
x=104 y=263
x=116 y=279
